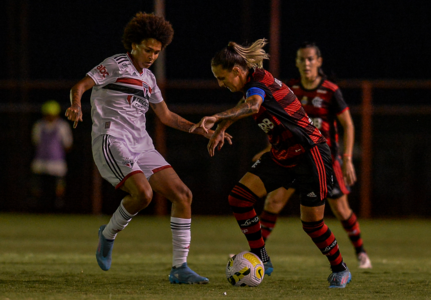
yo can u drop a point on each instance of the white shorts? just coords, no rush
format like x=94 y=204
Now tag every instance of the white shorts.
x=116 y=162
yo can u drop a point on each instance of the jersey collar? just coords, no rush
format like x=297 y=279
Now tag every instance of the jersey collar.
x=129 y=56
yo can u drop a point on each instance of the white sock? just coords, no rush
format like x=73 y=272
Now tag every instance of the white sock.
x=180 y=240
x=118 y=222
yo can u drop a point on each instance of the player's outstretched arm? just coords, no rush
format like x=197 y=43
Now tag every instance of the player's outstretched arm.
x=349 y=140
x=74 y=112
x=244 y=108
x=173 y=120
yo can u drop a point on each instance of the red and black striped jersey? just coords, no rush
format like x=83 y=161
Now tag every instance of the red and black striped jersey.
x=282 y=118
x=322 y=105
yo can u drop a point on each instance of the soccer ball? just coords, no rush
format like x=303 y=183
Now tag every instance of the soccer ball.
x=245 y=269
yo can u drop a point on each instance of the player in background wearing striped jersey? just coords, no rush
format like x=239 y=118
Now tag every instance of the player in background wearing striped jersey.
x=123 y=89
x=324 y=104
x=299 y=153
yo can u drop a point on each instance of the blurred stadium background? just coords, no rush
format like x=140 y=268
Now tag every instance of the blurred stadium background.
x=378 y=52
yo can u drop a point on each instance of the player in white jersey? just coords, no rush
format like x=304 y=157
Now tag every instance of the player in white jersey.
x=122 y=91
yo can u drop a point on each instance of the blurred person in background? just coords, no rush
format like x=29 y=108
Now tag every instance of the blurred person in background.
x=300 y=154
x=52 y=138
x=323 y=102
x=123 y=89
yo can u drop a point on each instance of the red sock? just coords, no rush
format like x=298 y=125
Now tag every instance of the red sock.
x=351 y=225
x=326 y=242
x=267 y=220
x=241 y=200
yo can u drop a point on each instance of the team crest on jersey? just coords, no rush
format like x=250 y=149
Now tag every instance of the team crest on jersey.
x=147 y=90
x=304 y=100
x=317 y=102
x=129 y=163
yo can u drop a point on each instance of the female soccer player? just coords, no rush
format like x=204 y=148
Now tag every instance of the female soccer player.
x=299 y=153
x=324 y=104
x=123 y=89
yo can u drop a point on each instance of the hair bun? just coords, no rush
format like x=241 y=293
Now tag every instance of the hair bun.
x=231 y=45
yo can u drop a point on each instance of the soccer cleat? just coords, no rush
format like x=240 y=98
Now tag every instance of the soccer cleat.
x=364 y=261
x=184 y=274
x=104 y=251
x=268 y=267
x=339 y=279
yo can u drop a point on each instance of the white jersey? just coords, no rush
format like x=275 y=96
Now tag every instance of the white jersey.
x=120 y=99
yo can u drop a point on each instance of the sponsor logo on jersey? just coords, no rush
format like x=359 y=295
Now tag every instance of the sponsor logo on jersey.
x=304 y=100
x=139 y=103
x=322 y=91
x=102 y=71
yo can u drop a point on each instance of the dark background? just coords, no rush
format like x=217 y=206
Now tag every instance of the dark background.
x=62 y=40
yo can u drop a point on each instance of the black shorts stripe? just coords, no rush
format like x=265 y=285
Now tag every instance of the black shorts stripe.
x=115 y=163
x=109 y=160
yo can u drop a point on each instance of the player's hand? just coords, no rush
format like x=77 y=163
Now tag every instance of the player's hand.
x=206 y=124
x=217 y=141
x=227 y=136
x=349 y=173
x=74 y=113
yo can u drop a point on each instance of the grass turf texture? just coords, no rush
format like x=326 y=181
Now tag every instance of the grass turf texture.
x=53 y=257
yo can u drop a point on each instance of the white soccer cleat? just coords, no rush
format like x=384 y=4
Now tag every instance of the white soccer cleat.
x=364 y=261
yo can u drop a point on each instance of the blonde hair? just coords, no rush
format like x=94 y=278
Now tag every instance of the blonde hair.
x=253 y=54
x=247 y=57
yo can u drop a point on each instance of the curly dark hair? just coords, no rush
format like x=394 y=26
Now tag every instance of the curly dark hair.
x=145 y=26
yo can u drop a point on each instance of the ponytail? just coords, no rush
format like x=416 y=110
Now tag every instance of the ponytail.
x=250 y=57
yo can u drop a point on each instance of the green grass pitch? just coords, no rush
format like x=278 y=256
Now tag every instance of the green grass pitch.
x=52 y=257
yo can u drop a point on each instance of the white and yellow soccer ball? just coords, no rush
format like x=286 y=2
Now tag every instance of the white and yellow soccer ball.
x=245 y=269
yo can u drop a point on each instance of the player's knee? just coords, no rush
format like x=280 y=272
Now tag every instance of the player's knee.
x=184 y=196
x=142 y=197
x=341 y=210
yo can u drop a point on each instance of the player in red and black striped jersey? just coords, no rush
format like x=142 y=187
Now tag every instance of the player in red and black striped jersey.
x=299 y=155
x=324 y=104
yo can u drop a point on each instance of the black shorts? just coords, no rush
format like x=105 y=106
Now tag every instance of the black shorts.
x=340 y=188
x=312 y=177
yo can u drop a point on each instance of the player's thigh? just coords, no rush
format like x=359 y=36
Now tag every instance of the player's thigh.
x=280 y=196
x=254 y=183
x=266 y=176
x=162 y=177
x=168 y=184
